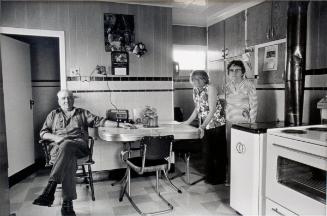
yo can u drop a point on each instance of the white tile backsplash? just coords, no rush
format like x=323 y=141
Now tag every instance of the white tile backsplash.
x=99 y=102
x=118 y=85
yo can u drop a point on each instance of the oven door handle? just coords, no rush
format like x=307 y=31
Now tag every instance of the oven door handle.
x=299 y=151
x=277 y=211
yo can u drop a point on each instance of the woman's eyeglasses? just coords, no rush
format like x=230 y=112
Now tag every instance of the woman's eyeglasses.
x=236 y=70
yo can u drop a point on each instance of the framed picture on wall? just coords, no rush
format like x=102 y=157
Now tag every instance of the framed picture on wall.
x=118 y=32
x=119 y=63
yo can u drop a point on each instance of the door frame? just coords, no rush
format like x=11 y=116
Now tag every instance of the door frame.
x=44 y=33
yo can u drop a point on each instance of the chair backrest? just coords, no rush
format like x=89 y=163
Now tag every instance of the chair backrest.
x=157 y=147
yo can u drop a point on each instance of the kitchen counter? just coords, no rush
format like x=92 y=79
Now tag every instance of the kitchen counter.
x=126 y=134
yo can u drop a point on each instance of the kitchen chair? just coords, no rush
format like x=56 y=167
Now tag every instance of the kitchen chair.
x=187 y=148
x=155 y=155
x=82 y=163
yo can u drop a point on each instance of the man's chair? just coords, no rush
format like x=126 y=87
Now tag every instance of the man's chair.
x=155 y=156
x=82 y=163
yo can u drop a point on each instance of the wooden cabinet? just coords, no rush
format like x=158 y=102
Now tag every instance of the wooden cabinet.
x=316 y=36
x=227 y=38
x=279 y=20
x=235 y=35
x=216 y=43
x=266 y=22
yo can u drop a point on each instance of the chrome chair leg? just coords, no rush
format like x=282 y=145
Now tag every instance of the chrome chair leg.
x=124 y=184
x=121 y=181
x=187 y=159
x=129 y=181
x=128 y=194
x=157 y=181
x=170 y=183
x=187 y=172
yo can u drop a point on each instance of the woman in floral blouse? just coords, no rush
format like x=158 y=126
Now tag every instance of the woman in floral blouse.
x=210 y=112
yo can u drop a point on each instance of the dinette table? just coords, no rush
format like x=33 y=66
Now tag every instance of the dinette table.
x=126 y=135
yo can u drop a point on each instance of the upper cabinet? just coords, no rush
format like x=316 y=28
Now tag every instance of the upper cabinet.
x=235 y=35
x=216 y=43
x=316 y=35
x=266 y=22
x=226 y=39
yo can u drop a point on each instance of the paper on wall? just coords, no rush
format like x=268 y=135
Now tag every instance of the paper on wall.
x=270 y=58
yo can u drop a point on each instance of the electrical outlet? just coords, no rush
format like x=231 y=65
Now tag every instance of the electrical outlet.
x=75 y=71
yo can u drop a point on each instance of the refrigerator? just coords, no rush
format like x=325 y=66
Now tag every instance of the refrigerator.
x=248 y=166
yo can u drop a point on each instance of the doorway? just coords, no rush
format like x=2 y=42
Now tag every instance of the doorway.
x=47 y=75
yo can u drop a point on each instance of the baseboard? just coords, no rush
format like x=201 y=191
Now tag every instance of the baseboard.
x=23 y=174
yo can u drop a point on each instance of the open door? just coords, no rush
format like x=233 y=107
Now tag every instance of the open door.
x=4 y=187
x=18 y=103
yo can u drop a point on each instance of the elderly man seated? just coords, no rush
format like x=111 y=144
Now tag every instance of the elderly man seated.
x=67 y=128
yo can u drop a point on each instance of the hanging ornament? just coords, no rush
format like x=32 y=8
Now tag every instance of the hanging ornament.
x=139 y=49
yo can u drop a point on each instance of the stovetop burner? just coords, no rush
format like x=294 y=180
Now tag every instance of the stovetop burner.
x=293 y=131
x=323 y=129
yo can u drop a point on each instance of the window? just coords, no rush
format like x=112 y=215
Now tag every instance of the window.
x=189 y=58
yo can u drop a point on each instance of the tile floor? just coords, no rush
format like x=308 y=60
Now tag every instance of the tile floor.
x=200 y=199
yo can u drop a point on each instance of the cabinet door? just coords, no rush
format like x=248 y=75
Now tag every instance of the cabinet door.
x=258 y=23
x=216 y=70
x=235 y=35
x=278 y=20
x=245 y=172
x=317 y=40
x=216 y=44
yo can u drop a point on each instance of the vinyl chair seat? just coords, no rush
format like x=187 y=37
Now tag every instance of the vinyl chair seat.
x=150 y=165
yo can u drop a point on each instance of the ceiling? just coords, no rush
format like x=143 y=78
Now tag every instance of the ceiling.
x=200 y=13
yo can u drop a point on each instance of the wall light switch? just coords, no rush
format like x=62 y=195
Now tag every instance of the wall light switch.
x=75 y=71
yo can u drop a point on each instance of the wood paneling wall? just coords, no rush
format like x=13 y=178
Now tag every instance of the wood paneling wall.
x=84 y=32
x=189 y=35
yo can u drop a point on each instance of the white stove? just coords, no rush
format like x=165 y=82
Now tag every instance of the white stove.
x=296 y=170
x=314 y=134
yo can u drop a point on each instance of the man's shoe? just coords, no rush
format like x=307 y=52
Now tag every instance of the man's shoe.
x=47 y=197
x=67 y=208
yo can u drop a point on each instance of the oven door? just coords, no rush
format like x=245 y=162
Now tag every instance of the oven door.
x=296 y=179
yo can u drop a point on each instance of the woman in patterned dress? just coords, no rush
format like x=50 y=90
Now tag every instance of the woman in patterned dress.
x=241 y=99
x=210 y=112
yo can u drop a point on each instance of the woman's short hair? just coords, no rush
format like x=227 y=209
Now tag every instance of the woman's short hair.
x=199 y=74
x=238 y=63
